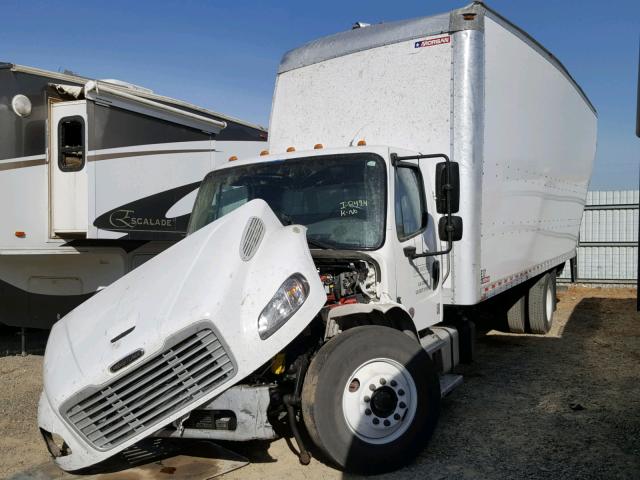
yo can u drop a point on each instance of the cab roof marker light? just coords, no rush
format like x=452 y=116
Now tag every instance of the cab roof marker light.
x=233 y=158
x=318 y=146
x=264 y=152
x=291 y=149
x=362 y=142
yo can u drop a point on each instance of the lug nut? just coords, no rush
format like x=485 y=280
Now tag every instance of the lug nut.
x=376 y=421
x=401 y=392
x=402 y=405
x=383 y=381
x=393 y=383
x=396 y=416
x=386 y=423
x=367 y=411
x=372 y=387
x=367 y=399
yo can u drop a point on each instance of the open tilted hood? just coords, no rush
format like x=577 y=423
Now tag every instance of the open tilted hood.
x=222 y=277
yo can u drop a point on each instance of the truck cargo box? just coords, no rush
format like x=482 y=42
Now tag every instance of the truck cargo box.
x=472 y=85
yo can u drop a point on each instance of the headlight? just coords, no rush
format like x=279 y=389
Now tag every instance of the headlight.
x=287 y=300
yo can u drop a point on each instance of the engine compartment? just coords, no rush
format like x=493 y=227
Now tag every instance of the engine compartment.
x=347 y=281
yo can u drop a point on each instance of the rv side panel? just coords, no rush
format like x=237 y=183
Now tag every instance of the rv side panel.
x=539 y=148
x=22 y=136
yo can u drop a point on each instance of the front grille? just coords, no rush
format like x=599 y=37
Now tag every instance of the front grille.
x=152 y=391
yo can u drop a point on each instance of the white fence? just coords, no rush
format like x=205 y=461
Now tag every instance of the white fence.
x=608 y=244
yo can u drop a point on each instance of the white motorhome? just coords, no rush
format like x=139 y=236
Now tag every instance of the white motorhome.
x=95 y=178
x=417 y=169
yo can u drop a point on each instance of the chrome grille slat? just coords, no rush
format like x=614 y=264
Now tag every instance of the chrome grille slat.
x=151 y=416
x=145 y=368
x=161 y=402
x=77 y=417
x=141 y=398
x=94 y=419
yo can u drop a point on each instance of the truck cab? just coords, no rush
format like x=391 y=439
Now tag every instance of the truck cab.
x=321 y=246
x=377 y=215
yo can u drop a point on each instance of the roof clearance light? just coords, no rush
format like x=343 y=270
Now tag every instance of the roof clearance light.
x=20 y=234
x=233 y=158
x=21 y=105
x=291 y=149
x=362 y=143
x=264 y=152
x=318 y=146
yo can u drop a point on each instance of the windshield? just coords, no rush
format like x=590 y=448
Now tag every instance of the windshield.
x=339 y=198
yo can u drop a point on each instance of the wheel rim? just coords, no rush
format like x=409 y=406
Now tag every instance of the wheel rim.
x=379 y=401
x=549 y=303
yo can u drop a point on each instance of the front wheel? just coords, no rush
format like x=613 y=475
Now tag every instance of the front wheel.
x=371 y=399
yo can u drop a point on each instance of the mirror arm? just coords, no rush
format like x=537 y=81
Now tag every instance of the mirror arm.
x=435 y=254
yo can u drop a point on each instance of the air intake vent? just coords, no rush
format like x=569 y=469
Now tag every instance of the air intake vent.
x=142 y=398
x=251 y=238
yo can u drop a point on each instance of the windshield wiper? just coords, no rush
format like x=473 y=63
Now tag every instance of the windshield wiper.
x=319 y=244
x=284 y=218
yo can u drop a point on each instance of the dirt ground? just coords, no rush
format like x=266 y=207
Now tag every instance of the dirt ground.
x=565 y=405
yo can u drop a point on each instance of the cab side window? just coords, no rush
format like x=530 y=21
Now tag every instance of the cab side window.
x=410 y=207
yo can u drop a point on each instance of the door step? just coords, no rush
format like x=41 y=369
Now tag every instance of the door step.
x=448 y=382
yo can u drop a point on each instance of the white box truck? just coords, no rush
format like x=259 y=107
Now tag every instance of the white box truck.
x=416 y=169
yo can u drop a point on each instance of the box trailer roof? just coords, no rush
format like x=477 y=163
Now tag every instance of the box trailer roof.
x=126 y=89
x=470 y=17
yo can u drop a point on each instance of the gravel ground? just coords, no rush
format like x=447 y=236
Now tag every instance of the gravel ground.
x=565 y=405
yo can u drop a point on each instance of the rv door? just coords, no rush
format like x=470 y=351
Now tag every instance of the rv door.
x=68 y=169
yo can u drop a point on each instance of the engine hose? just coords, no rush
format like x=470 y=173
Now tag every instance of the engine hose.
x=303 y=456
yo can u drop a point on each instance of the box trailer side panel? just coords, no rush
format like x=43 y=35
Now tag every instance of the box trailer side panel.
x=369 y=95
x=539 y=148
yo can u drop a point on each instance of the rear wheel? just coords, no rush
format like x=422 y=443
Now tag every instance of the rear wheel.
x=542 y=303
x=517 y=315
x=371 y=399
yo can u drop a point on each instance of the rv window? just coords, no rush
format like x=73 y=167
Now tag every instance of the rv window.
x=71 y=144
x=409 y=202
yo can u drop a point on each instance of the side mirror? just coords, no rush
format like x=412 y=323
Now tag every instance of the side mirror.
x=454 y=227
x=447 y=184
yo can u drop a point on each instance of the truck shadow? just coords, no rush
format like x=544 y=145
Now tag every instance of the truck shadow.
x=149 y=459
x=563 y=405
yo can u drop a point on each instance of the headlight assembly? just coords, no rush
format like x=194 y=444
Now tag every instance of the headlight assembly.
x=286 y=301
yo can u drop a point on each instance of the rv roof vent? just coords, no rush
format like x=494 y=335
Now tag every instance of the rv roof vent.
x=251 y=238
x=357 y=25
x=131 y=86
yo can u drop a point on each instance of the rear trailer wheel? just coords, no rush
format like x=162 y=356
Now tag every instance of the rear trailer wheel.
x=371 y=399
x=542 y=303
x=517 y=315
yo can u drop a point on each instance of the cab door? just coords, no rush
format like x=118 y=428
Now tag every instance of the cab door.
x=417 y=277
x=68 y=197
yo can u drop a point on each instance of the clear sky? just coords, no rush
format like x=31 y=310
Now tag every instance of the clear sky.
x=224 y=55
